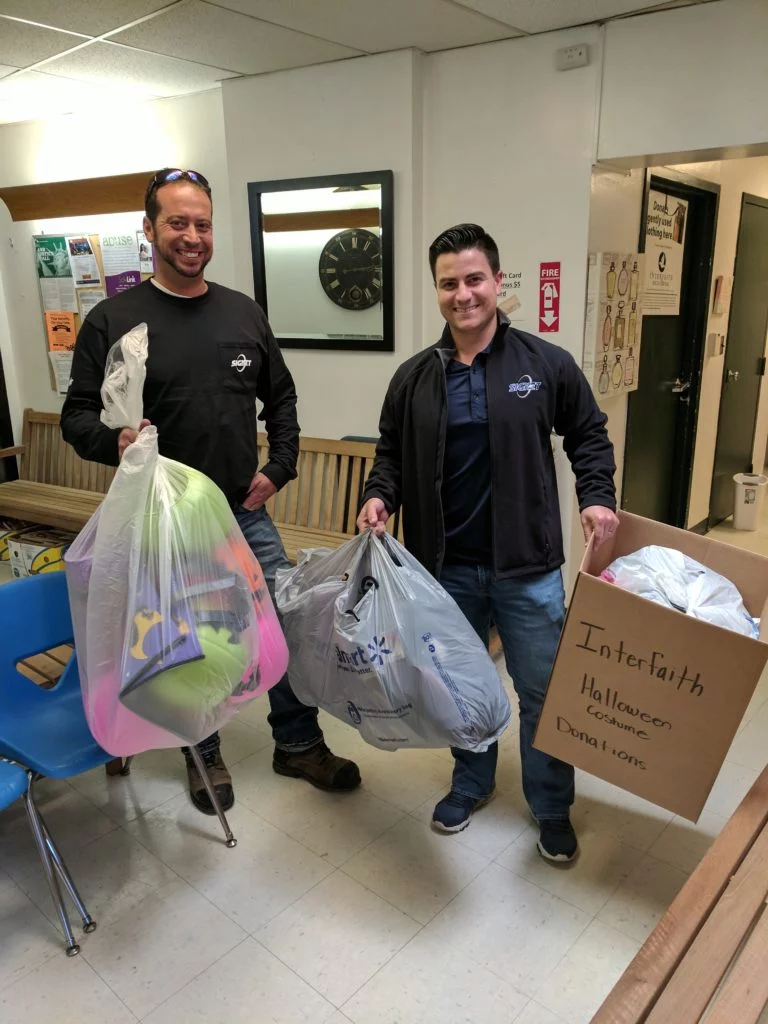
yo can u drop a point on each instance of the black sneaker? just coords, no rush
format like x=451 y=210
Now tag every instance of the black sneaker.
x=319 y=766
x=557 y=840
x=220 y=777
x=454 y=812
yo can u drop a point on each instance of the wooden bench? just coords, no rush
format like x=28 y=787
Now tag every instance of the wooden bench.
x=58 y=488
x=706 y=959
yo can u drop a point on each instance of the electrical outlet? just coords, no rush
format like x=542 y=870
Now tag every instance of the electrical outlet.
x=572 y=57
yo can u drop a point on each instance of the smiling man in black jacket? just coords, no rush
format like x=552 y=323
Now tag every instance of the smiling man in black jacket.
x=212 y=355
x=465 y=449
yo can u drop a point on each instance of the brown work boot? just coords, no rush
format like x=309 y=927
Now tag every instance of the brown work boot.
x=220 y=777
x=318 y=766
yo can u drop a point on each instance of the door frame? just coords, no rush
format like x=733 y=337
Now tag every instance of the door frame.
x=746 y=197
x=658 y=179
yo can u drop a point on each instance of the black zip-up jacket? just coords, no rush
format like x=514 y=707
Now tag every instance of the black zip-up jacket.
x=533 y=388
x=210 y=358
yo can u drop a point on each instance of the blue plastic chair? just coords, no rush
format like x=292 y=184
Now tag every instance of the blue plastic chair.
x=43 y=732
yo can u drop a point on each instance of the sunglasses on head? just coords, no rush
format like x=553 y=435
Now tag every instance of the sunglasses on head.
x=175 y=174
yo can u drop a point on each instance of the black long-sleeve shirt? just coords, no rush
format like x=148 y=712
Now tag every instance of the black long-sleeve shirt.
x=210 y=358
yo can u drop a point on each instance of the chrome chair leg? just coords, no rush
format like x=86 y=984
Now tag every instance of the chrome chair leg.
x=50 y=873
x=203 y=770
x=89 y=925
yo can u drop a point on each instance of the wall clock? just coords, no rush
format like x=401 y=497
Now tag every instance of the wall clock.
x=350 y=269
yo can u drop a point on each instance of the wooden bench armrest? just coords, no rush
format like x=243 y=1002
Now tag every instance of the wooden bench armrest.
x=18 y=449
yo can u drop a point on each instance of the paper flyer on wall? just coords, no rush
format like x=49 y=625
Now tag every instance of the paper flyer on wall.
x=60 y=331
x=146 y=254
x=85 y=269
x=62 y=370
x=613 y=322
x=88 y=298
x=120 y=256
x=57 y=286
x=665 y=224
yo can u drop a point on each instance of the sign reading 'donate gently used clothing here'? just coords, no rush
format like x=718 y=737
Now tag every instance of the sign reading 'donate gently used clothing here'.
x=613 y=322
x=665 y=225
x=642 y=695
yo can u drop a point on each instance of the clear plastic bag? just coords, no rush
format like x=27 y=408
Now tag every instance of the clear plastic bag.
x=174 y=625
x=671 y=578
x=377 y=642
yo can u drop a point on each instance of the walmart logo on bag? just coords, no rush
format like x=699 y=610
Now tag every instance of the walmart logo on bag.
x=378 y=650
x=360 y=660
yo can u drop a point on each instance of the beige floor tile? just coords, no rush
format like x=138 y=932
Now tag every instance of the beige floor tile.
x=416 y=869
x=112 y=874
x=335 y=826
x=731 y=786
x=683 y=844
x=601 y=807
x=155 y=776
x=641 y=901
x=403 y=778
x=246 y=986
x=338 y=936
x=494 y=826
x=252 y=883
x=511 y=926
x=588 y=882
x=586 y=975
x=27 y=939
x=535 y=1013
x=749 y=748
x=62 y=991
x=72 y=820
x=430 y=983
x=240 y=739
x=150 y=951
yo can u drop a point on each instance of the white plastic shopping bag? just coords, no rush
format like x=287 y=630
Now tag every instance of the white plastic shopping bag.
x=377 y=642
x=174 y=625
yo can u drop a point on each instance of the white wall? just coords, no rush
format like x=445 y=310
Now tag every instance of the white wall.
x=688 y=79
x=184 y=132
x=519 y=167
x=356 y=115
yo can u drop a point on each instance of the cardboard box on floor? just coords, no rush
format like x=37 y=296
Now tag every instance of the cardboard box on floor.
x=646 y=697
x=38 y=550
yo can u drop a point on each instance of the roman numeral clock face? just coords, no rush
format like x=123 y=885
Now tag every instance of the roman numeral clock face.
x=350 y=269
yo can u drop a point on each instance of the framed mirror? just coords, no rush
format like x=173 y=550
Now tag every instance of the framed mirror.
x=323 y=261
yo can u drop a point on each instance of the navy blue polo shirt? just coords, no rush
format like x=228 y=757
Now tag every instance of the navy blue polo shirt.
x=466 y=492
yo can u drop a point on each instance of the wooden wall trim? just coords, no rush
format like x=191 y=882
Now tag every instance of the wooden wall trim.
x=315 y=220
x=119 y=193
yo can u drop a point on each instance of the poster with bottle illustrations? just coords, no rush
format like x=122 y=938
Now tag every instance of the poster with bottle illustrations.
x=665 y=223
x=613 y=322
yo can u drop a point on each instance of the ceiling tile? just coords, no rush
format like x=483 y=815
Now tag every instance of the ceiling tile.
x=545 y=15
x=33 y=95
x=148 y=73
x=201 y=32
x=91 y=17
x=22 y=45
x=374 y=26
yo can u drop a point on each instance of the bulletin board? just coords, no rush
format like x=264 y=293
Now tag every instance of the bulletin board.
x=77 y=271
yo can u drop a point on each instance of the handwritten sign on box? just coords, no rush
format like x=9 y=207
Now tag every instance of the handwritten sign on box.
x=643 y=696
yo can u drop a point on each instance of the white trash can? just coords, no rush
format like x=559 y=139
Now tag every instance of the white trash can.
x=749 y=492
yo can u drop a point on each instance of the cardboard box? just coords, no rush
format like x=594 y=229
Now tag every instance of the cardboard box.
x=646 y=697
x=38 y=550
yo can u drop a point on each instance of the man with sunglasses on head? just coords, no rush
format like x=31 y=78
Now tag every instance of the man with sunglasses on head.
x=212 y=355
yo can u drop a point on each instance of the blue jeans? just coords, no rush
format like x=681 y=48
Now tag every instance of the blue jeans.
x=294 y=725
x=528 y=612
